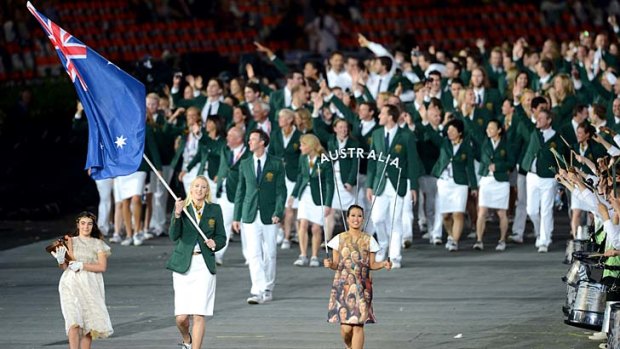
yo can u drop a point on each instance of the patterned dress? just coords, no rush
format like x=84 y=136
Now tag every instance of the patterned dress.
x=82 y=293
x=350 y=300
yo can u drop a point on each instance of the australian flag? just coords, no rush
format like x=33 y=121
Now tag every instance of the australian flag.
x=114 y=103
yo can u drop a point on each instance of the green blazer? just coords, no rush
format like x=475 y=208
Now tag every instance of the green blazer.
x=348 y=165
x=403 y=147
x=151 y=151
x=564 y=111
x=276 y=102
x=429 y=143
x=164 y=138
x=462 y=163
x=593 y=152
x=289 y=155
x=492 y=101
x=541 y=151
x=502 y=157
x=267 y=195
x=185 y=235
x=210 y=150
x=475 y=130
x=229 y=172
x=364 y=141
x=308 y=177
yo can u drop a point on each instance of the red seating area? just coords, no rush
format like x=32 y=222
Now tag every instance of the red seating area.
x=458 y=25
x=109 y=28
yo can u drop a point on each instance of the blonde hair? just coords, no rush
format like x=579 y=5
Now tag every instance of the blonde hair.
x=313 y=142
x=188 y=200
x=305 y=117
x=567 y=86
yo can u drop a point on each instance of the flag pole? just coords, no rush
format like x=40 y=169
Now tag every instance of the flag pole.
x=176 y=198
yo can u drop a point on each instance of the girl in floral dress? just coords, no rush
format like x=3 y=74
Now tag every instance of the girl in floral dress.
x=350 y=302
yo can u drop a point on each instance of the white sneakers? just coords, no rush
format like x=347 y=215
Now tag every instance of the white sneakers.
x=479 y=246
x=301 y=261
x=286 y=245
x=314 y=262
x=116 y=239
x=515 y=238
x=264 y=297
x=435 y=241
x=543 y=249
x=501 y=246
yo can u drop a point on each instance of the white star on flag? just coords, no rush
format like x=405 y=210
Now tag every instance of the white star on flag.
x=120 y=141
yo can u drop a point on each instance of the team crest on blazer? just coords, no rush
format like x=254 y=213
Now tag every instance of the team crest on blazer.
x=211 y=223
x=398 y=148
x=590 y=156
x=489 y=107
x=480 y=121
x=269 y=176
x=502 y=152
x=295 y=146
x=553 y=145
x=463 y=157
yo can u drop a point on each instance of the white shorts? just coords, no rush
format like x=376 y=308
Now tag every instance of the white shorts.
x=493 y=194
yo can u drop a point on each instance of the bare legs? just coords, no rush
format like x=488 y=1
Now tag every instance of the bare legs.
x=136 y=209
x=198 y=329
x=481 y=223
x=75 y=342
x=302 y=232
x=353 y=336
x=453 y=222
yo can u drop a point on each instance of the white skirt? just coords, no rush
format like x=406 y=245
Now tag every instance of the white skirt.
x=493 y=194
x=290 y=185
x=578 y=204
x=128 y=186
x=451 y=197
x=346 y=198
x=308 y=210
x=194 y=291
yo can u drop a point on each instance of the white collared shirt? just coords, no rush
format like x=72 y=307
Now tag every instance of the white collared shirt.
x=339 y=79
x=288 y=97
x=391 y=133
x=367 y=126
x=215 y=106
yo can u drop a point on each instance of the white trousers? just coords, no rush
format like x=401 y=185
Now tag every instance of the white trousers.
x=518 y=224
x=426 y=202
x=261 y=249
x=227 y=213
x=388 y=228
x=540 y=195
x=105 y=188
x=407 y=215
x=362 y=200
x=160 y=199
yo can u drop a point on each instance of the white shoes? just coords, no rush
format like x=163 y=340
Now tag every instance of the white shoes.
x=515 y=238
x=280 y=236
x=137 y=239
x=301 y=261
x=314 y=262
x=598 y=336
x=116 y=239
x=501 y=246
x=255 y=299
x=128 y=241
x=396 y=265
x=472 y=235
x=452 y=246
x=286 y=245
x=218 y=260
x=267 y=296
x=436 y=241
x=479 y=246
x=543 y=249
x=426 y=236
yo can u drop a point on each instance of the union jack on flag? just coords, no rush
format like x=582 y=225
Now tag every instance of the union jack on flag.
x=114 y=103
